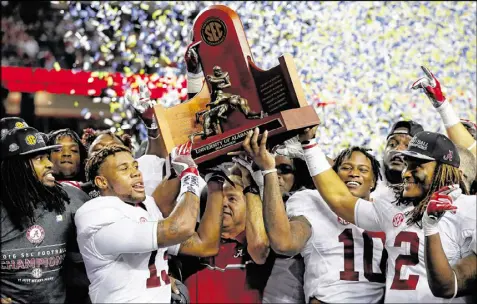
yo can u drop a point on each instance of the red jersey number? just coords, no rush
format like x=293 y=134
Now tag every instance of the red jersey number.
x=406 y=260
x=349 y=273
x=153 y=280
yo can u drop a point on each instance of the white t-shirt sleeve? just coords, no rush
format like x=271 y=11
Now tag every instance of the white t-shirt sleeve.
x=106 y=230
x=152 y=168
x=300 y=204
x=306 y=203
x=126 y=236
x=457 y=231
x=367 y=215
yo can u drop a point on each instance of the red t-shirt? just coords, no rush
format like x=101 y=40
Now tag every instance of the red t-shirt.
x=228 y=282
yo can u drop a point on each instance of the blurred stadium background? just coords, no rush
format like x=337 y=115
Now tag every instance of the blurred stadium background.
x=67 y=63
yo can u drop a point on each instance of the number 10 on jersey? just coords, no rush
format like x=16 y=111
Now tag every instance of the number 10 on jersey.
x=349 y=273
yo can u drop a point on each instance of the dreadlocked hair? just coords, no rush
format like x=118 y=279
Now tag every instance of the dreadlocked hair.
x=346 y=153
x=96 y=160
x=444 y=175
x=22 y=193
x=54 y=135
x=89 y=135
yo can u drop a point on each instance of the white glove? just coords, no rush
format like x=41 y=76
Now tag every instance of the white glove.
x=186 y=169
x=257 y=176
x=181 y=158
x=142 y=103
x=290 y=148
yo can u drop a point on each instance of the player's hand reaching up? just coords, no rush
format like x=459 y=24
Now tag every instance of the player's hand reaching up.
x=192 y=58
x=257 y=150
x=431 y=87
x=181 y=159
x=141 y=101
x=307 y=134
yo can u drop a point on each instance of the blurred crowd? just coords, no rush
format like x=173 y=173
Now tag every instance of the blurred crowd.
x=355 y=59
x=101 y=217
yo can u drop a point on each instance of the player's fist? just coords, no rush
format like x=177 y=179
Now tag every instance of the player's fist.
x=307 y=134
x=431 y=86
x=217 y=174
x=181 y=159
x=192 y=58
x=142 y=102
x=440 y=202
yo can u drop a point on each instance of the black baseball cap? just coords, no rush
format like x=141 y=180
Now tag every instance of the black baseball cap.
x=24 y=141
x=412 y=128
x=433 y=147
x=9 y=123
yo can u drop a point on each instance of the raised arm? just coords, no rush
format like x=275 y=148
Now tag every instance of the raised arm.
x=327 y=182
x=455 y=129
x=205 y=242
x=195 y=76
x=285 y=237
x=180 y=224
x=166 y=193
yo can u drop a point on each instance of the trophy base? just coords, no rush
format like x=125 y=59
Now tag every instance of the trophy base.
x=286 y=124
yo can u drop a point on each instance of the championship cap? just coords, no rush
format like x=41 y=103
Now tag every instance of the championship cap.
x=24 y=141
x=433 y=147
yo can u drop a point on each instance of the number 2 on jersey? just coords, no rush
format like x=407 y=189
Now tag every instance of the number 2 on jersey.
x=406 y=260
x=153 y=280
x=346 y=237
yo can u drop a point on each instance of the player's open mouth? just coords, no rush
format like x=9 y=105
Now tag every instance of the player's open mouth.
x=49 y=176
x=353 y=184
x=397 y=160
x=139 y=187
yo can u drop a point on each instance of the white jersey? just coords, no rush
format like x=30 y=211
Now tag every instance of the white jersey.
x=457 y=231
x=152 y=169
x=343 y=263
x=118 y=242
x=406 y=278
x=383 y=193
x=473 y=242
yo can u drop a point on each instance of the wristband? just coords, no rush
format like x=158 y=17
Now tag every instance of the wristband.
x=315 y=158
x=449 y=117
x=194 y=82
x=472 y=146
x=265 y=172
x=430 y=230
x=189 y=182
x=456 y=287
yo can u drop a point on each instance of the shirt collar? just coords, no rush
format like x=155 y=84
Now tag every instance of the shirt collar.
x=240 y=238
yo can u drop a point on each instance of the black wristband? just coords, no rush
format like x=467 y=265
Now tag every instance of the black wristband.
x=251 y=189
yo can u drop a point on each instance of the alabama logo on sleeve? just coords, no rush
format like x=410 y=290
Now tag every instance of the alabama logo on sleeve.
x=35 y=234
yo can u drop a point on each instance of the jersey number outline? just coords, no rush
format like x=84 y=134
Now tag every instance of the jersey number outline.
x=406 y=260
x=153 y=280
x=346 y=237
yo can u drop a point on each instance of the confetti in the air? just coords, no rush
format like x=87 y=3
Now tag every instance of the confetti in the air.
x=355 y=60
